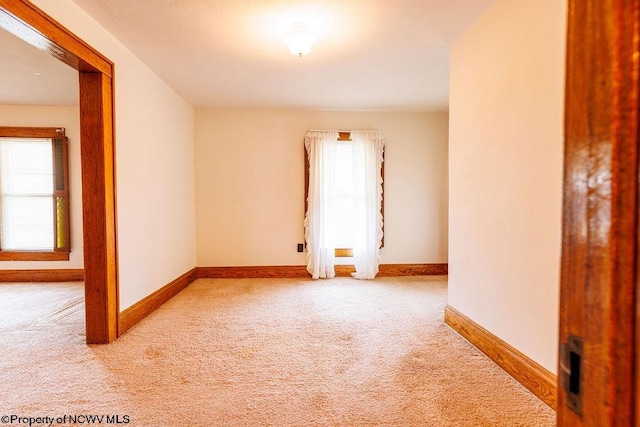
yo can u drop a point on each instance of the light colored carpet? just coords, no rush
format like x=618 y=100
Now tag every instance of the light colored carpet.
x=260 y=352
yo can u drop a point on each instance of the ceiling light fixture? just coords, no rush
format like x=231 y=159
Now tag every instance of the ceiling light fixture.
x=299 y=40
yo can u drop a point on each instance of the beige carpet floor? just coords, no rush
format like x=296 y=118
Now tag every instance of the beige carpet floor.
x=259 y=352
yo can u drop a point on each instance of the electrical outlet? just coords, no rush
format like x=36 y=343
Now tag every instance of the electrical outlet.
x=300 y=247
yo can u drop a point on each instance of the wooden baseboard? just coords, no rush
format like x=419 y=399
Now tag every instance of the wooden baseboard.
x=530 y=374
x=255 y=272
x=300 y=271
x=58 y=275
x=132 y=315
x=341 y=270
x=396 y=270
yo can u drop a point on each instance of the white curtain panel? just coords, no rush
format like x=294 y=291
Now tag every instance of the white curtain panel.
x=368 y=149
x=321 y=147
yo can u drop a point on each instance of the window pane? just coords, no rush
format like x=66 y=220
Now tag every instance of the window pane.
x=27 y=223
x=344 y=174
x=26 y=189
x=26 y=167
x=61 y=222
x=344 y=222
x=58 y=149
x=343 y=214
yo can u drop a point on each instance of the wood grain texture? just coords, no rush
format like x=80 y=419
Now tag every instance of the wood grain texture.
x=98 y=207
x=343 y=252
x=31 y=132
x=300 y=271
x=252 y=272
x=28 y=22
x=396 y=270
x=132 y=315
x=33 y=256
x=600 y=207
x=344 y=270
x=61 y=275
x=344 y=136
x=527 y=372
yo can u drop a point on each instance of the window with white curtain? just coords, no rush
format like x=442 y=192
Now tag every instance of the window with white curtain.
x=345 y=193
x=34 y=214
x=344 y=201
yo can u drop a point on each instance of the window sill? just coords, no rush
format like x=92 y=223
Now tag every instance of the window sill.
x=343 y=252
x=347 y=252
x=33 y=256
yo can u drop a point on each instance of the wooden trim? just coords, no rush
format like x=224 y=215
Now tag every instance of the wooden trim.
x=33 y=256
x=31 y=24
x=98 y=197
x=344 y=270
x=31 y=132
x=63 y=275
x=132 y=315
x=26 y=21
x=55 y=135
x=599 y=261
x=300 y=271
x=399 y=270
x=344 y=136
x=394 y=270
x=343 y=252
x=252 y=272
x=530 y=374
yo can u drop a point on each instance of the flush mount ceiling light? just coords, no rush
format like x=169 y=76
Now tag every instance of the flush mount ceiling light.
x=299 y=40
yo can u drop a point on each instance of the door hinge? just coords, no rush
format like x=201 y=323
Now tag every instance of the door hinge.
x=571 y=359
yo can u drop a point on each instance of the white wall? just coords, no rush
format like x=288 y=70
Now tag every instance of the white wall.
x=154 y=164
x=250 y=184
x=69 y=118
x=505 y=164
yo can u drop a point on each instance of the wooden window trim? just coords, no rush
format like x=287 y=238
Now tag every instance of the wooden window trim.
x=97 y=155
x=342 y=137
x=59 y=253
x=33 y=256
x=344 y=252
x=31 y=132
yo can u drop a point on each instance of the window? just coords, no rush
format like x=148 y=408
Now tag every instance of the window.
x=344 y=195
x=34 y=194
x=344 y=200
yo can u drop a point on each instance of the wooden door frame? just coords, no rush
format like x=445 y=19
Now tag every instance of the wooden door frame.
x=598 y=292
x=25 y=20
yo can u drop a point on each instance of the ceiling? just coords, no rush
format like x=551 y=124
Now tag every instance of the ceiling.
x=370 y=55
x=390 y=55
x=32 y=77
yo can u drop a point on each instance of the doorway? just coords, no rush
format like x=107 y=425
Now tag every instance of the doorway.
x=32 y=25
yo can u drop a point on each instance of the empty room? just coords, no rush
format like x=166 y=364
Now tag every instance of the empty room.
x=318 y=213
